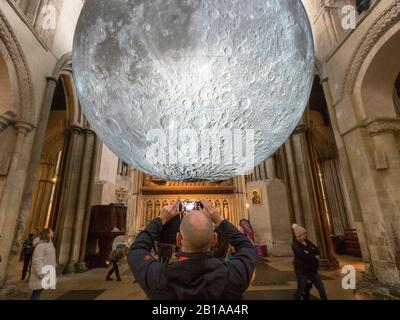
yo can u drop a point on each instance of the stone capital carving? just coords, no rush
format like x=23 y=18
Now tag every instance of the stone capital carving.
x=74 y=130
x=300 y=129
x=89 y=132
x=382 y=125
x=6 y=119
x=52 y=79
x=23 y=127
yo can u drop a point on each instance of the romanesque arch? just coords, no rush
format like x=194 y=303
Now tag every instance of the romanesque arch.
x=378 y=74
x=387 y=20
x=20 y=100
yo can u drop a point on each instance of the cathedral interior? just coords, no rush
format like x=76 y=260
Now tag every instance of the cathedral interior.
x=338 y=175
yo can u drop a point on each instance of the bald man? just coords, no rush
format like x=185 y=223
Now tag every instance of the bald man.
x=196 y=275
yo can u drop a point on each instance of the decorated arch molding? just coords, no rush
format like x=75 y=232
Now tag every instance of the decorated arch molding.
x=25 y=109
x=383 y=23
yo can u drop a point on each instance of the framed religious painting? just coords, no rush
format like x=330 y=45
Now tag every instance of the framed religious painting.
x=256 y=197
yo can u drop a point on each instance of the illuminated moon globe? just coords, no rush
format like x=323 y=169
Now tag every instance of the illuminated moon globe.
x=193 y=90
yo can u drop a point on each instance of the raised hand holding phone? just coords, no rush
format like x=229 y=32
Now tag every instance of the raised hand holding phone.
x=212 y=212
x=169 y=212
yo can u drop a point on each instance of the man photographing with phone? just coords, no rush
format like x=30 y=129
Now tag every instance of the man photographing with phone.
x=196 y=275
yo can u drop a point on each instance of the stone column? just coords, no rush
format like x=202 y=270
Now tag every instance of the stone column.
x=306 y=190
x=294 y=183
x=286 y=179
x=322 y=218
x=69 y=197
x=11 y=221
x=271 y=167
x=334 y=196
x=351 y=195
x=314 y=216
x=271 y=218
x=387 y=162
x=263 y=172
x=133 y=223
x=81 y=266
x=26 y=161
x=376 y=208
x=87 y=164
x=40 y=204
x=240 y=198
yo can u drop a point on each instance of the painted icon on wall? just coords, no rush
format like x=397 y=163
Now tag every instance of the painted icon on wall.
x=256 y=199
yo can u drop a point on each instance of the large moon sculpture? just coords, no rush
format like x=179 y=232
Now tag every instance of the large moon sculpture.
x=193 y=90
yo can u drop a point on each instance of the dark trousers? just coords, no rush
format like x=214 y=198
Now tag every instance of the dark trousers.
x=303 y=288
x=27 y=261
x=114 y=269
x=36 y=294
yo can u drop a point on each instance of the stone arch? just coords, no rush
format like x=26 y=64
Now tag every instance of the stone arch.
x=8 y=86
x=377 y=76
x=396 y=94
x=75 y=116
x=20 y=76
x=383 y=23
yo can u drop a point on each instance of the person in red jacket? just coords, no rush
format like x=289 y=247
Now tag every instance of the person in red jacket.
x=197 y=275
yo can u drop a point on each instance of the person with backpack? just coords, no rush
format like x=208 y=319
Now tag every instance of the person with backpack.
x=116 y=255
x=27 y=252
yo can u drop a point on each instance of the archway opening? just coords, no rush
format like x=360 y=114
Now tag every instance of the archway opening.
x=396 y=95
x=47 y=185
x=5 y=86
x=378 y=76
x=336 y=221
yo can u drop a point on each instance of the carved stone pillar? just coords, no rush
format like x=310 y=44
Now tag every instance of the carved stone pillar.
x=286 y=180
x=240 y=198
x=306 y=191
x=294 y=183
x=271 y=167
x=386 y=156
x=69 y=197
x=263 y=172
x=134 y=212
x=40 y=204
x=83 y=196
x=334 y=196
x=81 y=265
x=10 y=219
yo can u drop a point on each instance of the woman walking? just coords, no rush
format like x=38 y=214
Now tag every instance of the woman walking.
x=306 y=264
x=44 y=255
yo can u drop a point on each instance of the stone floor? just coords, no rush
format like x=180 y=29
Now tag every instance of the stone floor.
x=274 y=280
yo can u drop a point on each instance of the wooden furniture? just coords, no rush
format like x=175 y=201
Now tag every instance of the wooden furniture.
x=106 y=223
x=351 y=243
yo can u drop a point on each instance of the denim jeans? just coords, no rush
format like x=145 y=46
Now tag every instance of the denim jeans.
x=302 y=286
x=27 y=261
x=114 y=269
x=36 y=294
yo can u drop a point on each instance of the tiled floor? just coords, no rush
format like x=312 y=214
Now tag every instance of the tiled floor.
x=275 y=280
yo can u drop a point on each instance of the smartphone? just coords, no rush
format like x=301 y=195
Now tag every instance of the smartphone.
x=187 y=206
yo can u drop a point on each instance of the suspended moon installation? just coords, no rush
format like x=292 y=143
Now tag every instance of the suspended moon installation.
x=193 y=90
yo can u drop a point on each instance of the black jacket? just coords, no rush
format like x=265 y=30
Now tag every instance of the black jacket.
x=194 y=276
x=305 y=263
